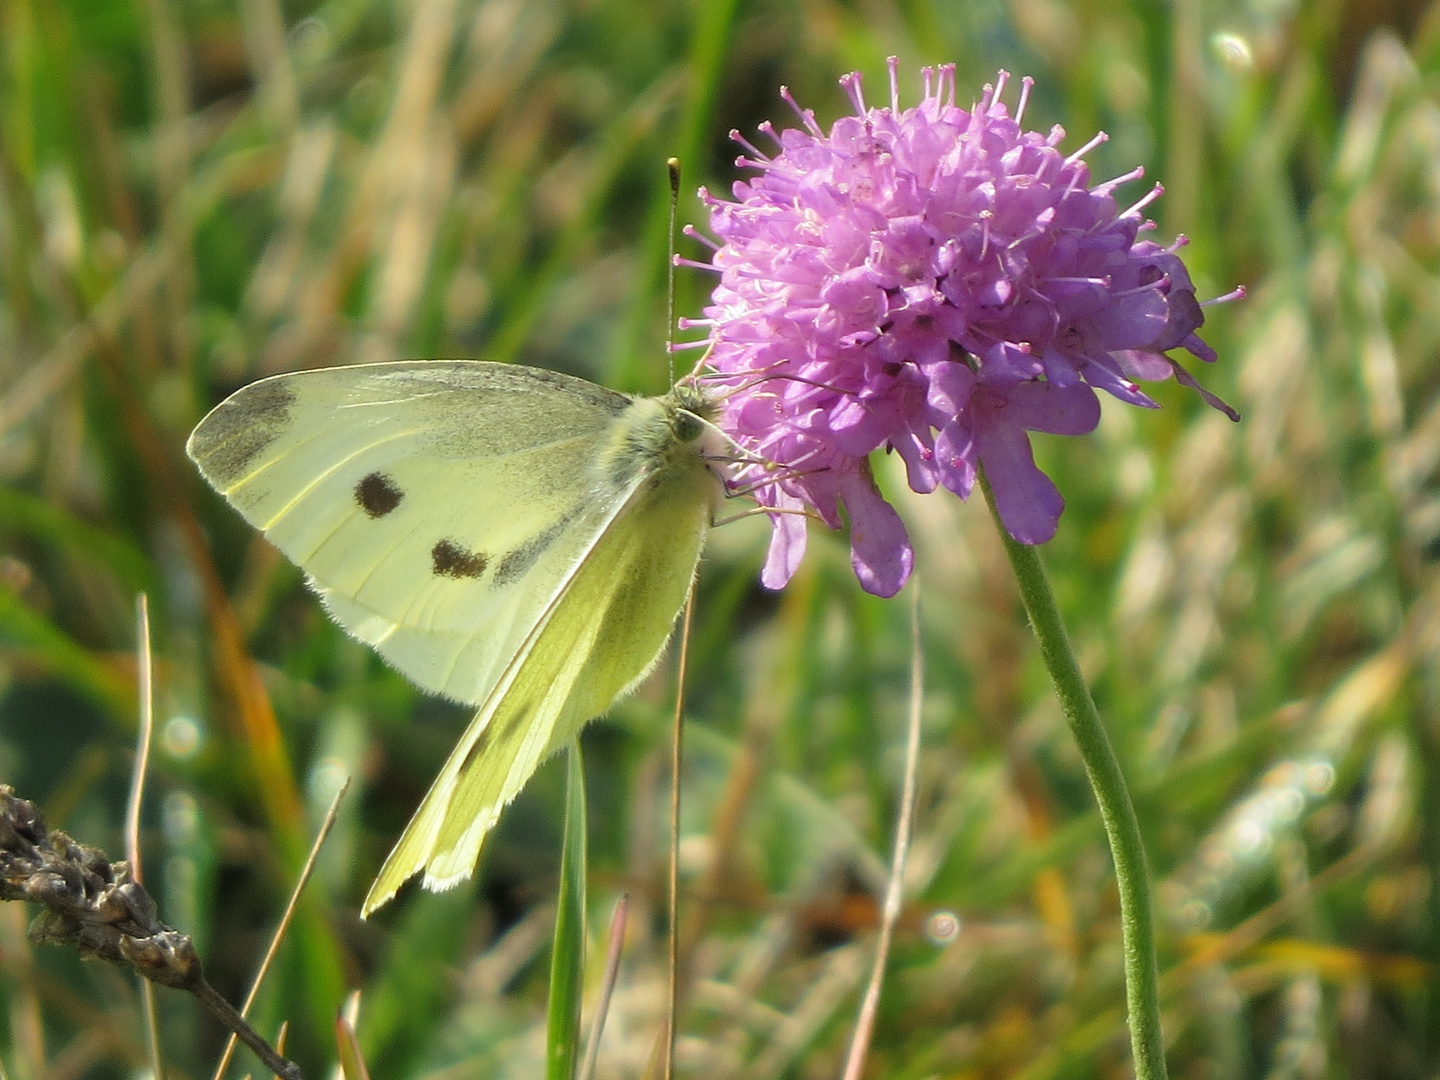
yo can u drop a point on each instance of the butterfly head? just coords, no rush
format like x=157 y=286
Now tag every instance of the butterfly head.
x=691 y=410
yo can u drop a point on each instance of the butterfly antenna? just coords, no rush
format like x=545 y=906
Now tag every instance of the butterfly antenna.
x=673 y=165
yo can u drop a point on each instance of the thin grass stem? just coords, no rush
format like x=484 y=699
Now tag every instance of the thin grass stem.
x=135 y=801
x=607 y=986
x=285 y=920
x=672 y=1002
x=895 y=885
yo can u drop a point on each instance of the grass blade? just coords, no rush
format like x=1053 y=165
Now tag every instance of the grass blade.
x=567 y=960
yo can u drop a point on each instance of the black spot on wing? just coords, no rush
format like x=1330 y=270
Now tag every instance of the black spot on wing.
x=513 y=566
x=377 y=494
x=449 y=559
x=240 y=429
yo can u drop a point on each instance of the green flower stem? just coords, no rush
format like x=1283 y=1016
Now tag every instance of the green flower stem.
x=1137 y=926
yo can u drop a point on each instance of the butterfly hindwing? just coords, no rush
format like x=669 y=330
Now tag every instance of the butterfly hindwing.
x=604 y=630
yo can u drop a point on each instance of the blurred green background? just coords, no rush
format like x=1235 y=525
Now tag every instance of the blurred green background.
x=194 y=194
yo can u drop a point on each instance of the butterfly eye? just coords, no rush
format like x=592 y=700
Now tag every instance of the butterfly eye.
x=686 y=426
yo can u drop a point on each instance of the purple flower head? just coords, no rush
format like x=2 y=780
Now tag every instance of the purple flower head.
x=940 y=283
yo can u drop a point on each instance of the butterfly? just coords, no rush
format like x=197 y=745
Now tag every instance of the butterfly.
x=509 y=537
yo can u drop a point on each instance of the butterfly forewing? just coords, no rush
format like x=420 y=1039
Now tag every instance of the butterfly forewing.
x=418 y=497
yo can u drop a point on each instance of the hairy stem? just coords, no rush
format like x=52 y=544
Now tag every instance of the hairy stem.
x=1137 y=926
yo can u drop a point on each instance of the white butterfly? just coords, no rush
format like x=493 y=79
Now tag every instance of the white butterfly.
x=509 y=537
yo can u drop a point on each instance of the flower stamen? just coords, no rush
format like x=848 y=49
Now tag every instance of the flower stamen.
x=695 y=234
x=807 y=116
x=1237 y=293
x=1099 y=139
x=1025 y=84
x=1109 y=186
x=761 y=159
x=1146 y=200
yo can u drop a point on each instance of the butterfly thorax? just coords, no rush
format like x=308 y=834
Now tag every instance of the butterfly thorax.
x=659 y=437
